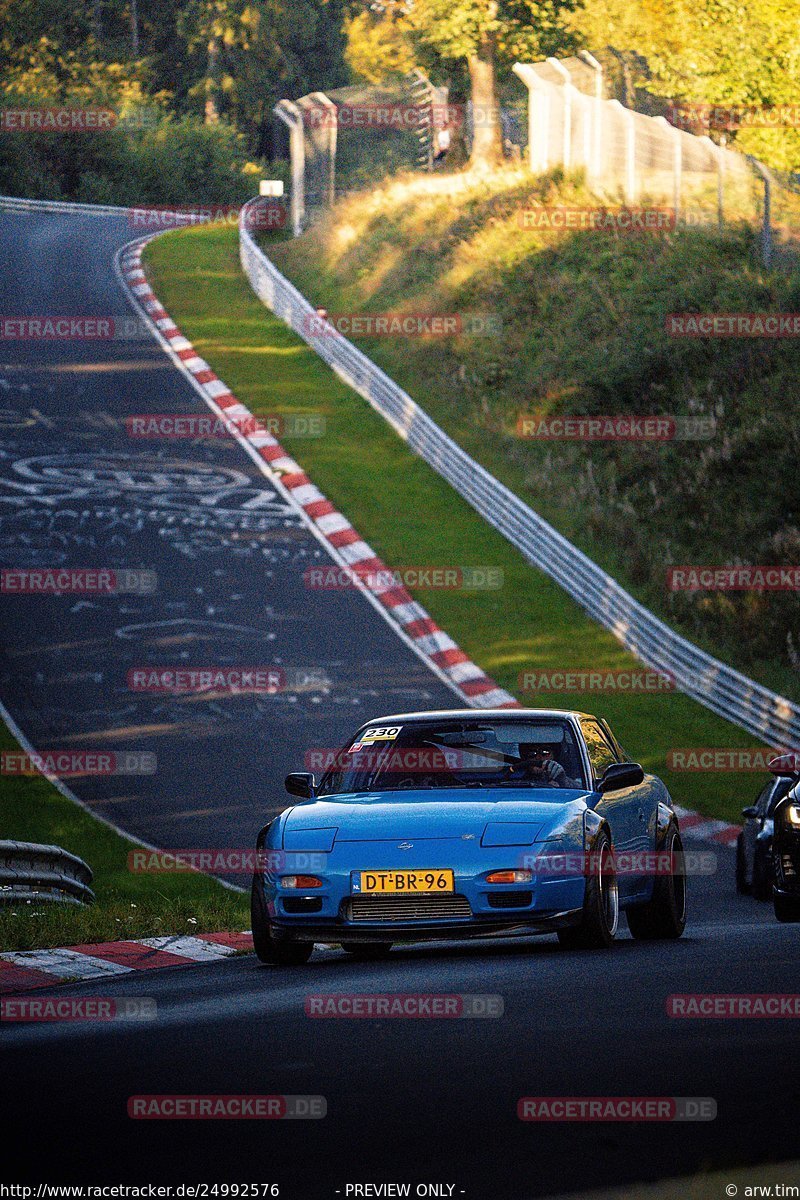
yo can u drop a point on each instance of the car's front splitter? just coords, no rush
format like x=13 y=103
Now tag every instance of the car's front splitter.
x=348 y=934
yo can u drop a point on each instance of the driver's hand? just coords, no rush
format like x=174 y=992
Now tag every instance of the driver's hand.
x=552 y=771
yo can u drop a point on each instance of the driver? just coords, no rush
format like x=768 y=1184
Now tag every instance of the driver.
x=537 y=766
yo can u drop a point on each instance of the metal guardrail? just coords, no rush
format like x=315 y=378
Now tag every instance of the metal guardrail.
x=21 y=204
x=44 y=874
x=725 y=691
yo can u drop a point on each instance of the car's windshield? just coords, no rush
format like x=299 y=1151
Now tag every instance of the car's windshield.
x=473 y=753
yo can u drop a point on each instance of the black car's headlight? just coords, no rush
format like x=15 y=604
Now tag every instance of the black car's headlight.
x=793 y=815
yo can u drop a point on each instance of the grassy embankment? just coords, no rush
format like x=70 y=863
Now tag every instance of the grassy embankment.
x=583 y=332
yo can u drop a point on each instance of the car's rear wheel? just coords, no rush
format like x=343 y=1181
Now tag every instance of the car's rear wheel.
x=368 y=951
x=787 y=908
x=268 y=949
x=664 y=915
x=600 y=916
x=742 y=886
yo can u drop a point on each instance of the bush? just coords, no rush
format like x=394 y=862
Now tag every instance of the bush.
x=176 y=162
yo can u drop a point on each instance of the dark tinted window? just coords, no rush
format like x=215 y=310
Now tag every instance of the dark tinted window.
x=457 y=754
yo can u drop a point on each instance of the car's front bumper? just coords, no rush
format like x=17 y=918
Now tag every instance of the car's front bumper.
x=344 y=933
x=336 y=911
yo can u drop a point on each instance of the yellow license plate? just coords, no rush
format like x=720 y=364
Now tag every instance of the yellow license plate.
x=421 y=880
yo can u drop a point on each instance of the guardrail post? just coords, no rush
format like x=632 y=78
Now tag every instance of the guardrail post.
x=291 y=116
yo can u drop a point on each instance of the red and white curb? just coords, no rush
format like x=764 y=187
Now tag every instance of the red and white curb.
x=431 y=643
x=696 y=828
x=25 y=969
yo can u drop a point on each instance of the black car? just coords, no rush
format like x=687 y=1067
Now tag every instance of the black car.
x=754 y=866
x=786 y=842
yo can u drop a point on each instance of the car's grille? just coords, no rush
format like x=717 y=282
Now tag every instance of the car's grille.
x=407 y=908
x=302 y=904
x=510 y=899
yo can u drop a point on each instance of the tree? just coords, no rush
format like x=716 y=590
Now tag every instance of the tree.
x=486 y=35
x=716 y=53
x=379 y=48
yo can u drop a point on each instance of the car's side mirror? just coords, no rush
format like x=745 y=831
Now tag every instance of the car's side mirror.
x=301 y=783
x=618 y=776
x=785 y=765
x=750 y=811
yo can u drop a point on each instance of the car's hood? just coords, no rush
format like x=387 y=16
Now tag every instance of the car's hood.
x=445 y=813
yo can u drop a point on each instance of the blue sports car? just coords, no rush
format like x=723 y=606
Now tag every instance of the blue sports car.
x=438 y=825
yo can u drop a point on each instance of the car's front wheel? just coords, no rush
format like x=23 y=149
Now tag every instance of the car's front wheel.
x=600 y=915
x=787 y=908
x=268 y=949
x=664 y=915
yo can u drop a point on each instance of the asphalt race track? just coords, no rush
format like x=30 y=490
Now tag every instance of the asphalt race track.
x=228 y=552
x=408 y=1101
x=426 y=1100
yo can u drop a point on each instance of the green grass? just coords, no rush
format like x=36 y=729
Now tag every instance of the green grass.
x=583 y=332
x=411 y=516
x=128 y=905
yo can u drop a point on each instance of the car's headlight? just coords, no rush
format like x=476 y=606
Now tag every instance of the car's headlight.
x=793 y=814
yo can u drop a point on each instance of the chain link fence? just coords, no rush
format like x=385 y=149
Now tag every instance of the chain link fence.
x=633 y=158
x=349 y=138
